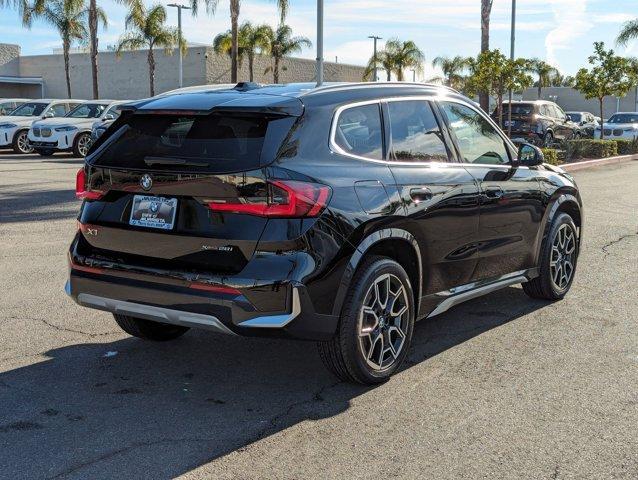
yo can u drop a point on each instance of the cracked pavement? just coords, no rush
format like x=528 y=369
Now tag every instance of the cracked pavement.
x=500 y=387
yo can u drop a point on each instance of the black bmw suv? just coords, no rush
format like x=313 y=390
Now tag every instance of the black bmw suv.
x=340 y=214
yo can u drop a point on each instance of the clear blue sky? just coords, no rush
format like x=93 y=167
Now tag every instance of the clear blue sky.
x=560 y=31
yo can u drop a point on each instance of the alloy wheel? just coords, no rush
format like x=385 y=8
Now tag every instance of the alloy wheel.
x=23 y=143
x=84 y=143
x=383 y=322
x=563 y=257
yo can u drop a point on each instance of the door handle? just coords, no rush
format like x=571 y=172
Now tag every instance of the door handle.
x=421 y=194
x=494 y=192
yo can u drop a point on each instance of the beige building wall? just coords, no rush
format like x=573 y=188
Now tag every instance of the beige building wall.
x=126 y=77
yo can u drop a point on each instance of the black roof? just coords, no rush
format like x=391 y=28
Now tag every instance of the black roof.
x=283 y=99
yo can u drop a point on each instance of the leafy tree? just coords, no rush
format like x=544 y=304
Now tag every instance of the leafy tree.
x=544 y=72
x=453 y=69
x=235 y=5
x=281 y=43
x=609 y=75
x=146 y=29
x=69 y=17
x=252 y=40
x=494 y=73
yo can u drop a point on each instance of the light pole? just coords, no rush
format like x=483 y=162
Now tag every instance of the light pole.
x=512 y=47
x=179 y=38
x=319 y=42
x=374 y=58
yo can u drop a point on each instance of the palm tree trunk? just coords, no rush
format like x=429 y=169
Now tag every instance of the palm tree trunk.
x=66 y=44
x=399 y=74
x=234 y=27
x=275 y=71
x=251 y=61
x=93 y=45
x=486 y=11
x=540 y=88
x=151 y=70
x=389 y=74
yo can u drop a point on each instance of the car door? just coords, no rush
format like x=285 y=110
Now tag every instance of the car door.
x=511 y=207
x=439 y=195
x=564 y=129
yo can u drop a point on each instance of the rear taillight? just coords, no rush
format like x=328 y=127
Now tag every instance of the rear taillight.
x=81 y=188
x=285 y=199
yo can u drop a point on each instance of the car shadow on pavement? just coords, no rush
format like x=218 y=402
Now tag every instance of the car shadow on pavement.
x=29 y=206
x=132 y=409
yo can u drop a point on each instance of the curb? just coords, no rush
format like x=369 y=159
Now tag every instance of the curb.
x=573 y=167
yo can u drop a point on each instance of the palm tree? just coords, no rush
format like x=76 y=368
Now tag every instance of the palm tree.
x=453 y=69
x=257 y=40
x=211 y=6
x=146 y=29
x=69 y=17
x=628 y=33
x=281 y=43
x=486 y=12
x=404 y=55
x=384 y=60
x=544 y=72
x=252 y=40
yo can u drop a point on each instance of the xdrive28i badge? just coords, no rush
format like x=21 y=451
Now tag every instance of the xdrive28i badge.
x=146 y=182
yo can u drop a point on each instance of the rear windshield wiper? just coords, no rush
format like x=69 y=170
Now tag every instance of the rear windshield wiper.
x=173 y=161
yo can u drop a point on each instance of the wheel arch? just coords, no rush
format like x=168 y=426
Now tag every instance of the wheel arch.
x=395 y=243
x=565 y=202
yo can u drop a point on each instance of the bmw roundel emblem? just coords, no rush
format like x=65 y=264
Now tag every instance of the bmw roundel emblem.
x=146 y=182
x=154 y=207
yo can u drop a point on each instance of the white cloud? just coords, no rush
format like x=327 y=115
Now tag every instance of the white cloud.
x=571 y=23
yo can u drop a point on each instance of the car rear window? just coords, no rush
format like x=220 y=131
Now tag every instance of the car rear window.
x=518 y=108
x=212 y=143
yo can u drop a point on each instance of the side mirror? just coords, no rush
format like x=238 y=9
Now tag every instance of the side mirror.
x=108 y=117
x=49 y=114
x=530 y=155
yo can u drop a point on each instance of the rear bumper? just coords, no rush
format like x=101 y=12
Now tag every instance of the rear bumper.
x=278 y=309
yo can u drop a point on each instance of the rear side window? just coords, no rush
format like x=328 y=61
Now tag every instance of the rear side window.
x=212 y=143
x=358 y=131
x=59 y=110
x=478 y=140
x=416 y=135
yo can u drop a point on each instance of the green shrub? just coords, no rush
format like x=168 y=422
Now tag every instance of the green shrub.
x=551 y=156
x=577 y=149
x=626 y=147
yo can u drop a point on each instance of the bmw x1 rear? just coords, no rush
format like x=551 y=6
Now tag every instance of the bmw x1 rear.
x=295 y=212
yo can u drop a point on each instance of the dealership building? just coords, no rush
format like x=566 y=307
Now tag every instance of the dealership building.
x=126 y=77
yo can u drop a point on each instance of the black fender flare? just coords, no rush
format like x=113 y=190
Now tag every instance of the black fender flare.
x=360 y=251
x=550 y=214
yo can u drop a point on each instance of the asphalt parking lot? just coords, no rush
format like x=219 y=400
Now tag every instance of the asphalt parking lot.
x=501 y=387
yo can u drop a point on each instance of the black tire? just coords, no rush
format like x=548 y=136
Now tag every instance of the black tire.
x=544 y=286
x=149 y=330
x=21 y=142
x=80 y=148
x=548 y=140
x=44 y=152
x=343 y=354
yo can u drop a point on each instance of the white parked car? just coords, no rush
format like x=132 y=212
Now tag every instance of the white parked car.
x=8 y=105
x=622 y=125
x=14 y=127
x=71 y=132
x=105 y=122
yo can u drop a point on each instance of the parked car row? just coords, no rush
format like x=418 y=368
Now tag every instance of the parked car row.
x=47 y=126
